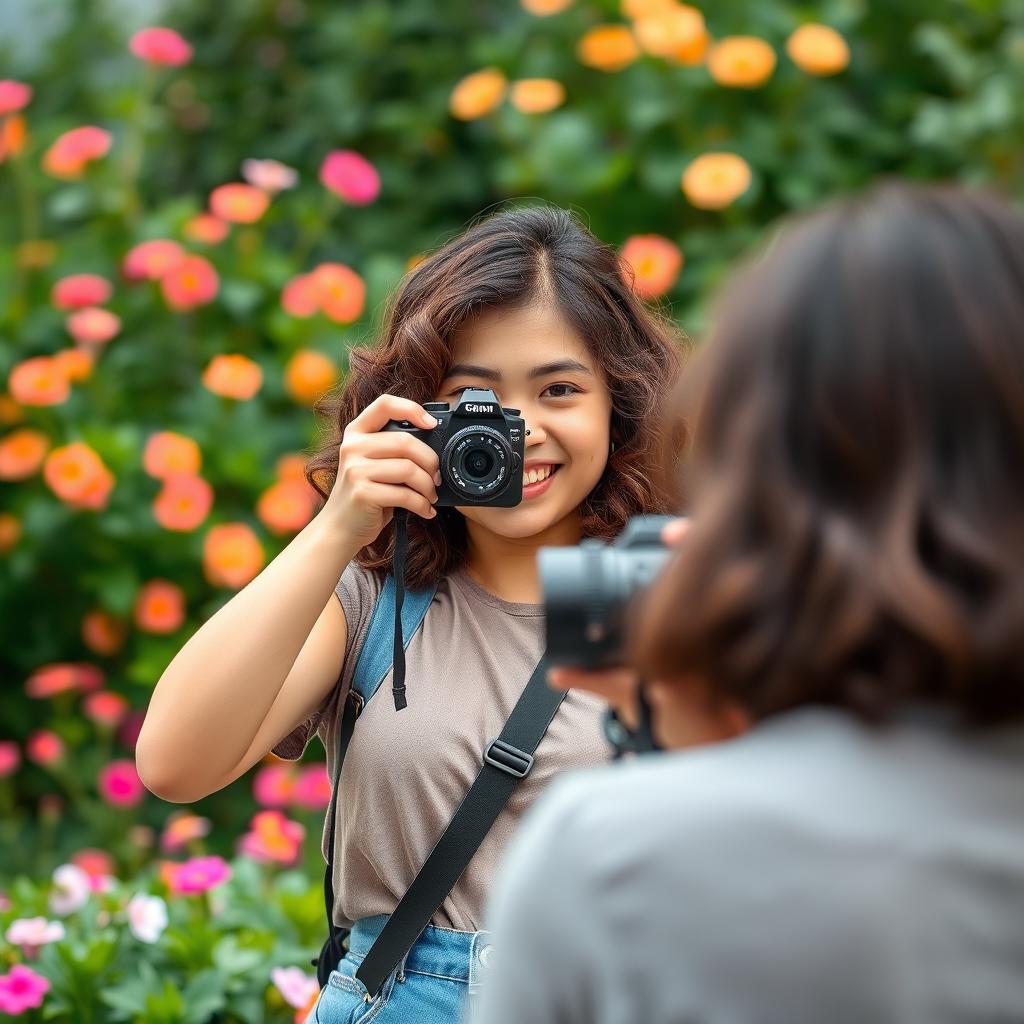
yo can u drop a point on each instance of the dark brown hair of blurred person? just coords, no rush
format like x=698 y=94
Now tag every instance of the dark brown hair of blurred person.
x=511 y=259
x=857 y=477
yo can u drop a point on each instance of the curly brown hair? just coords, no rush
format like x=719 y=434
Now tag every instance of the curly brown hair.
x=857 y=473
x=510 y=259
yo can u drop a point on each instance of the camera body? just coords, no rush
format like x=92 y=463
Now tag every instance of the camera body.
x=480 y=447
x=587 y=591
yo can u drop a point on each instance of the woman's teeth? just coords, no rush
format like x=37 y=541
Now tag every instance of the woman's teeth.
x=534 y=476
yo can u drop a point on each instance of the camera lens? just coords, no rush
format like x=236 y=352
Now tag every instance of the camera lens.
x=476 y=463
x=479 y=463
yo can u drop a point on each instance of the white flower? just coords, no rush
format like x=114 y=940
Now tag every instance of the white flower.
x=34 y=931
x=269 y=175
x=71 y=889
x=147 y=917
x=295 y=985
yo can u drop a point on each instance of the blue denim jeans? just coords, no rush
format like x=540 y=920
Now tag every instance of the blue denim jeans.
x=436 y=982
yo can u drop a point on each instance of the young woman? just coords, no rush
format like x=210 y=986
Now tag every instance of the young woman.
x=527 y=303
x=851 y=587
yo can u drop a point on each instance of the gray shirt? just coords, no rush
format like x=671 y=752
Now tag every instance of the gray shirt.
x=812 y=871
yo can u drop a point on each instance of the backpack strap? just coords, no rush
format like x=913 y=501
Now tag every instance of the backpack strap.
x=372 y=665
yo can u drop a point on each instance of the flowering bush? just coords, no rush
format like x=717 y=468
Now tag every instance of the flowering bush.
x=204 y=216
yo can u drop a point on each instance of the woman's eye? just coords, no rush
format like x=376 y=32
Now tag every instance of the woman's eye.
x=565 y=394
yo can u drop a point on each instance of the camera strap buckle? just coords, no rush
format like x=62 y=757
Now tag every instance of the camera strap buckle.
x=508 y=758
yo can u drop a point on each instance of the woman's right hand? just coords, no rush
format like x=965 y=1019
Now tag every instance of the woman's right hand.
x=379 y=471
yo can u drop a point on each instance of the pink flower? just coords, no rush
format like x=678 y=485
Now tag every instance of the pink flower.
x=93 y=325
x=182 y=828
x=22 y=989
x=191 y=283
x=64 y=677
x=269 y=175
x=147 y=917
x=71 y=889
x=273 y=838
x=44 y=747
x=13 y=96
x=120 y=785
x=32 y=932
x=74 y=150
x=10 y=758
x=197 y=875
x=105 y=708
x=160 y=46
x=312 y=788
x=79 y=290
x=206 y=229
x=272 y=785
x=98 y=865
x=151 y=260
x=295 y=985
x=350 y=176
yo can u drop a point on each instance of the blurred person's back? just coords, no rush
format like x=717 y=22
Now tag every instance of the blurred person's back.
x=853 y=584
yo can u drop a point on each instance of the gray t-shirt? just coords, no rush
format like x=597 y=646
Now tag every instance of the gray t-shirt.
x=813 y=871
x=406 y=772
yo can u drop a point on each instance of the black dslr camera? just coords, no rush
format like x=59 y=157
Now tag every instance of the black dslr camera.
x=480 y=447
x=587 y=590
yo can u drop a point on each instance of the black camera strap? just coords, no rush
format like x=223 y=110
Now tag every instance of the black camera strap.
x=401 y=517
x=506 y=760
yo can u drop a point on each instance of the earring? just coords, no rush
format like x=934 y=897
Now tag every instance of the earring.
x=611 y=450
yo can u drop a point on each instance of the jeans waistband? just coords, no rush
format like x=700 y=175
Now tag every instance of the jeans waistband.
x=441 y=952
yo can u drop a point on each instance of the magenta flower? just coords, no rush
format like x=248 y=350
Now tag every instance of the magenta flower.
x=22 y=989
x=14 y=96
x=350 y=176
x=160 y=46
x=120 y=785
x=10 y=758
x=197 y=875
x=272 y=785
x=105 y=708
x=312 y=788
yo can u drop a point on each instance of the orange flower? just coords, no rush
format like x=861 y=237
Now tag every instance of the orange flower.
x=542 y=8
x=93 y=325
x=714 y=180
x=308 y=375
x=291 y=466
x=160 y=607
x=635 y=9
x=655 y=262
x=287 y=506
x=38 y=381
x=741 y=62
x=10 y=531
x=192 y=282
x=537 y=95
x=673 y=32
x=168 y=453
x=477 y=94
x=73 y=151
x=102 y=632
x=300 y=296
x=206 y=229
x=239 y=203
x=151 y=260
x=233 y=376
x=77 y=475
x=818 y=50
x=22 y=452
x=608 y=48
x=75 y=363
x=342 y=292
x=76 y=291
x=232 y=555
x=13 y=134
x=183 y=503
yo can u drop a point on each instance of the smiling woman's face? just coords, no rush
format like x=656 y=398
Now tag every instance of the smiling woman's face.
x=535 y=361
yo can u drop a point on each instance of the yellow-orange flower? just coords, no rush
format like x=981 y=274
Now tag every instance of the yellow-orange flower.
x=239 y=203
x=10 y=531
x=233 y=376
x=818 y=50
x=206 y=229
x=676 y=33
x=167 y=453
x=102 y=632
x=477 y=94
x=741 y=62
x=635 y=9
x=22 y=452
x=537 y=95
x=75 y=363
x=714 y=180
x=308 y=375
x=160 y=607
x=38 y=381
x=287 y=506
x=12 y=136
x=77 y=475
x=542 y=8
x=655 y=262
x=183 y=503
x=608 y=48
x=232 y=555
